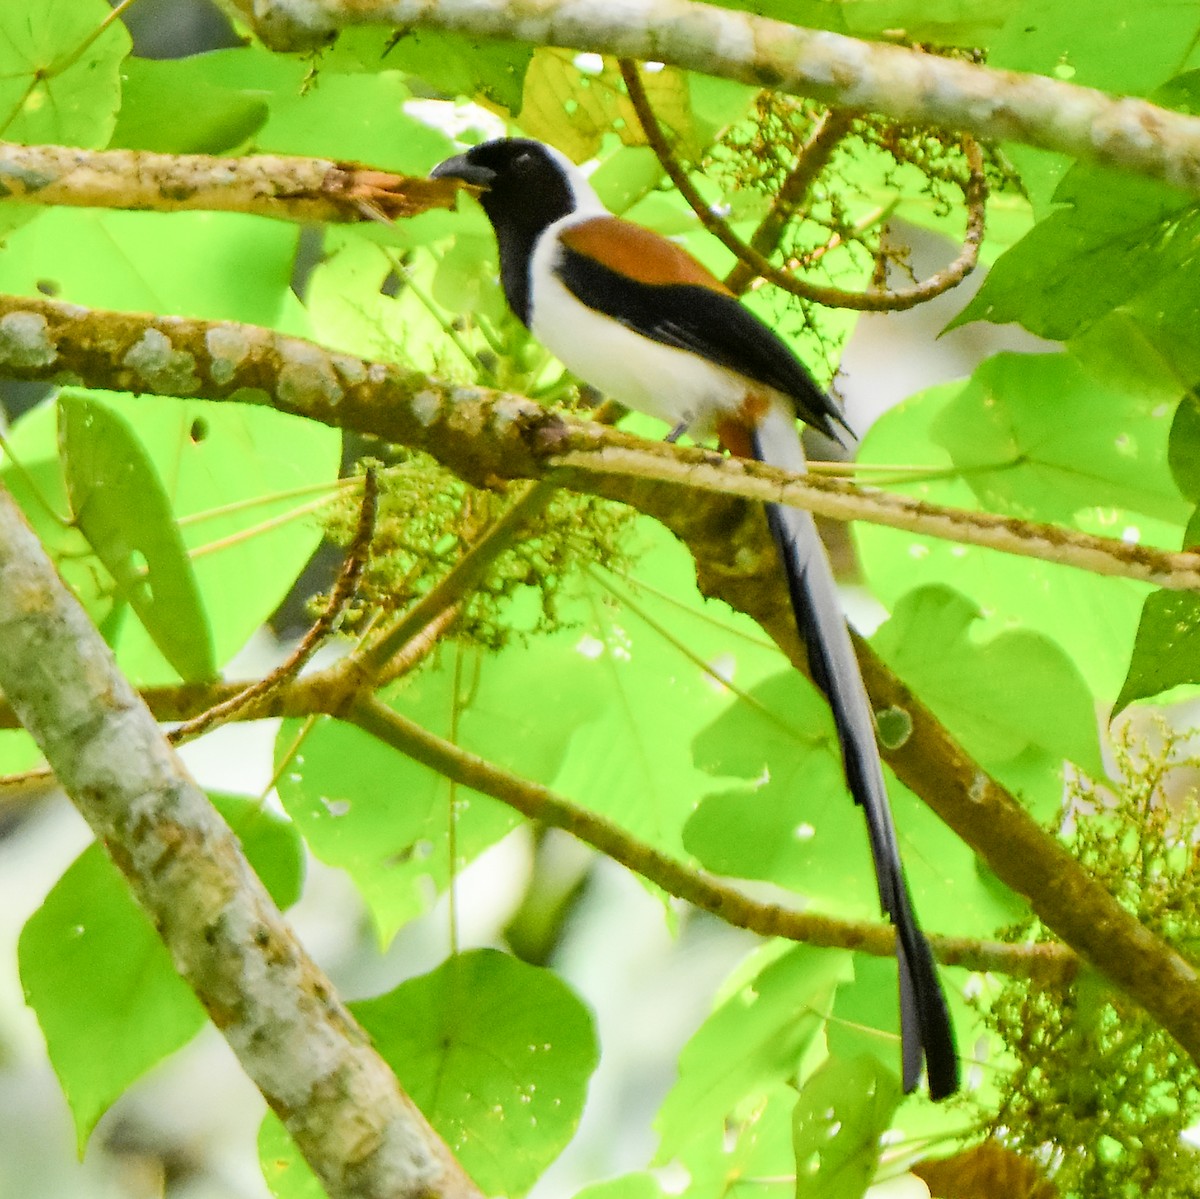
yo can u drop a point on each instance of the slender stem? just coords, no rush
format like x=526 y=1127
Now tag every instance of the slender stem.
x=266 y=526
x=64 y=63
x=277 y=497
x=340 y=596
x=699 y=889
x=974 y=191
x=814 y=156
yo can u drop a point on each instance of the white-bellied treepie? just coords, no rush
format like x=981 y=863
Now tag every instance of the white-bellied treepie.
x=640 y=319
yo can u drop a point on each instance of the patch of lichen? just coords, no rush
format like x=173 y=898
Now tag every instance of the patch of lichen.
x=1098 y=1091
x=427 y=519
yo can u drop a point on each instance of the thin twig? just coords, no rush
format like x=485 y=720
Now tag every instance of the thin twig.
x=974 y=191
x=839 y=500
x=814 y=155
x=340 y=595
x=535 y=802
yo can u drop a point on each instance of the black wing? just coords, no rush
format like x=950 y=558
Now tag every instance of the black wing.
x=709 y=323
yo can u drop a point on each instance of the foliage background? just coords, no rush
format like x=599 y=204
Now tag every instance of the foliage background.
x=1026 y=653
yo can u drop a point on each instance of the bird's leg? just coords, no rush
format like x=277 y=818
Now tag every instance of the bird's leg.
x=679 y=430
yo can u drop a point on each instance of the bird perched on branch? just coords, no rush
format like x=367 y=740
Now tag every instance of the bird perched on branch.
x=640 y=319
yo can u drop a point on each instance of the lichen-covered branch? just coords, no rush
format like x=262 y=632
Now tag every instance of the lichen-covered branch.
x=905 y=84
x=293 y=189
x=484 y=436
x=360 y=1133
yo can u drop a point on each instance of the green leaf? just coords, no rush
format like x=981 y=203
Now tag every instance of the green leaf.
x=628 y=671
x=653 y=656
x=214 y=265
x=756 y=1038
x=496 y=1054
x=1110 y=270
x=1119 y=47
x=59 y=74
x=171 y=107
x=101 y=982
x=1033 y=437
x=1166 y=650
x=313 y=122
x=574 y=108
x=628 y=1186
x=843 y=1110
x=1014 y=692
x=1183 y=453
x=270 y=842
x=796 y=826
x=286 y=1173
x=748 y=1157
x=1120 y=243
x=228 y=470
x=384 y=818
x=133 y=1009
x=452 y=63
x=119 y=504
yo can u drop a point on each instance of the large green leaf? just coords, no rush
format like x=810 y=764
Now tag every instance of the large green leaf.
x=758 y=1037
x=1166 y=650
x=102 y=985
x=1109 y=269
x=1183 y=452
x=215 y=265
x=1015 y=692
x=629 y=671
x=101 y=982
x=225 y=459
x=59 y=81
x=384 y=818
x=1032 y=437
x=1118 y=242
x=174 y=108
x=655 y=657
x=1117 y=47
x=119 y=504
x=455 y=64
x=382 y=133
x=496 y=1054
x=843 y=1110
x=748 y=1156
x=792 y=822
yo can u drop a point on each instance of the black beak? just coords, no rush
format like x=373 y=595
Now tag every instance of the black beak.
x=461 y=167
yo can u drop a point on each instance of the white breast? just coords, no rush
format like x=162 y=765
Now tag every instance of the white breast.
x=671 y=384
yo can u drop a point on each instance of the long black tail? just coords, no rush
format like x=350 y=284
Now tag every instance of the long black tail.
x=926 y=1032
